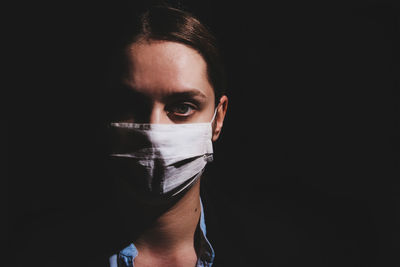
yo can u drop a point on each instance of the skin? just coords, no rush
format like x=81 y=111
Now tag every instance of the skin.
x=170 y=82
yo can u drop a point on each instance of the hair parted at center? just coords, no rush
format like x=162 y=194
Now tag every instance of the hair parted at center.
x=166 y=23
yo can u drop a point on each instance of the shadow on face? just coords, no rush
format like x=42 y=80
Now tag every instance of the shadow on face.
x=166 y=83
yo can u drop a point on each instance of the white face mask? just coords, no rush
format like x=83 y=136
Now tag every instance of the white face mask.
x=162 y=159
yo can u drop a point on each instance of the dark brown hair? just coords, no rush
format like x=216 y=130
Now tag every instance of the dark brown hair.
x=165 y=23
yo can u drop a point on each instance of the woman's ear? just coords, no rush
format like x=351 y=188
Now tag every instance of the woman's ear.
x=219 y=117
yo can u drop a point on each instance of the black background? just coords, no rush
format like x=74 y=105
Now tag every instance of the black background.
x=306 y=170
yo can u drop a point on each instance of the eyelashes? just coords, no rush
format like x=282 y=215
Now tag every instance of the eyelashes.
x=181 y=110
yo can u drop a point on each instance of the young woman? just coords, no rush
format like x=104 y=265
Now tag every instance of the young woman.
x=171 y=110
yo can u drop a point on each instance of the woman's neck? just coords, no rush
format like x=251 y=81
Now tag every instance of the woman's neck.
x=162 y=234
x=176 y=226
x=169 y=241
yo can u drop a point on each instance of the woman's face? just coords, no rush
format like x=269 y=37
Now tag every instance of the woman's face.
x=169 y=82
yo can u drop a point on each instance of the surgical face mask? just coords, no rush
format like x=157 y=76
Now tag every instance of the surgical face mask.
x=161 y=159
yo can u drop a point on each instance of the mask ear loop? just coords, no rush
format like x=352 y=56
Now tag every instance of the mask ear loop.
x=215 y=113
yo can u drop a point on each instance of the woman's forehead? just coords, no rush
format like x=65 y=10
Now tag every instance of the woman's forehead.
x=163 y=66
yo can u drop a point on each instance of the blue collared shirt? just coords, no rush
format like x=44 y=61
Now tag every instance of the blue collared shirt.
x=205 y=257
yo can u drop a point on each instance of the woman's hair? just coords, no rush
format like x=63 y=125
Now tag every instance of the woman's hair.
x=165 y=23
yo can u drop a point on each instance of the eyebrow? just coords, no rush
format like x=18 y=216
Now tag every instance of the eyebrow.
x=190 y=93
x=182 y=94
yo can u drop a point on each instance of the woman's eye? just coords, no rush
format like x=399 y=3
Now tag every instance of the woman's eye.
x=182 y=109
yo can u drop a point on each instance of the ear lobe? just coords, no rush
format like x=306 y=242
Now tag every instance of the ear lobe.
x=219 y=117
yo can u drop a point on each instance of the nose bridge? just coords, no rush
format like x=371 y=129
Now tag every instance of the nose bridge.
x=157 y=113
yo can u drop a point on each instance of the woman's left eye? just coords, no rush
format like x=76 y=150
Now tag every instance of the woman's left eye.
x=182 y=109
